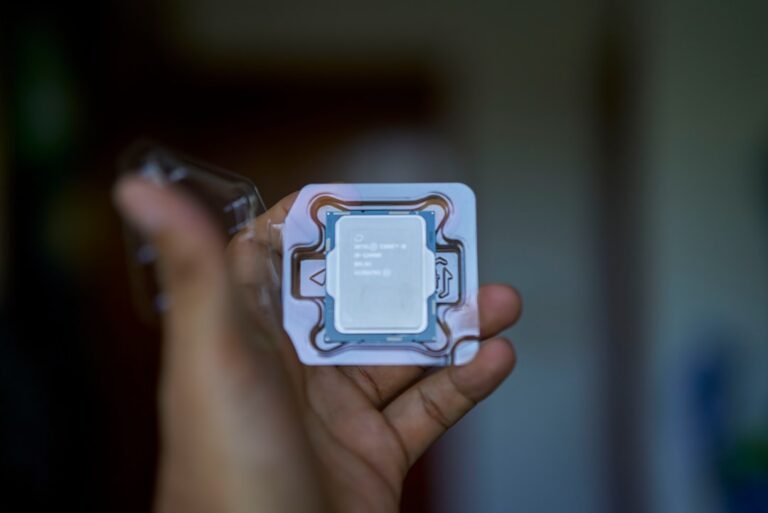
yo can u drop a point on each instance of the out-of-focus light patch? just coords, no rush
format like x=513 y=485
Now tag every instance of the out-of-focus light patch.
x=46 y=110
x=399 y=155
x=75 y=226
x=46 y=113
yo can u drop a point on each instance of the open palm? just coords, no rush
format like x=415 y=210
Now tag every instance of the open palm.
x=246 y=426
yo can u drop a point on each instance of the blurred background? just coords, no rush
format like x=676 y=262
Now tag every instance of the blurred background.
x=619 y=152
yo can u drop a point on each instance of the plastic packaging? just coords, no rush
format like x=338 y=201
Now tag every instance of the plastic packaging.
x=232 y=202
x=374 y=274
x=401 y=302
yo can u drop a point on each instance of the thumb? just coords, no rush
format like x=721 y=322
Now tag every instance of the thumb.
x=190 y=259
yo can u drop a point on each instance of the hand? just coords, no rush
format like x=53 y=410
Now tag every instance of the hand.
x=245 y=427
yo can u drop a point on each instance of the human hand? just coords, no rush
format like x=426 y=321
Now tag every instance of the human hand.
x=245 y=427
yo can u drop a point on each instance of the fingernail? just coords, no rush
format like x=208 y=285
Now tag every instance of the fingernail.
x=140 y=202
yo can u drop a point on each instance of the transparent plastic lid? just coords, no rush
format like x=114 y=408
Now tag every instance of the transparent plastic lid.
x=232 y=202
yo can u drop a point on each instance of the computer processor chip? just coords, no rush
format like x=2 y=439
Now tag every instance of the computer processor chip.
x=380 y=274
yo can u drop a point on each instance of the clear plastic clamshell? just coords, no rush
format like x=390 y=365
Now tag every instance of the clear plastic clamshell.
x=374 y=274
x=231 y=201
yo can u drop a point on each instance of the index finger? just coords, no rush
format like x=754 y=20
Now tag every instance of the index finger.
x=500 y=307
x=261 y=230
x=277 y=213
x=250 y=250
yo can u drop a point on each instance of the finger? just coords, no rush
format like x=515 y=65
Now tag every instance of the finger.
x=279 y=211
x=264 y=229
x=431 y=406
x=250 y=250
x=191 y=264
x=381 y=384
x=252 y=261
x=500 y=307
x=252 y=267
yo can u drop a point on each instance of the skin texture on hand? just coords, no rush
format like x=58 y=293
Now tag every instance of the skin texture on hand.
x=245 y=427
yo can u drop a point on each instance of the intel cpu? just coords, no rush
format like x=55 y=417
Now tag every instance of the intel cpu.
x=381 y=274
